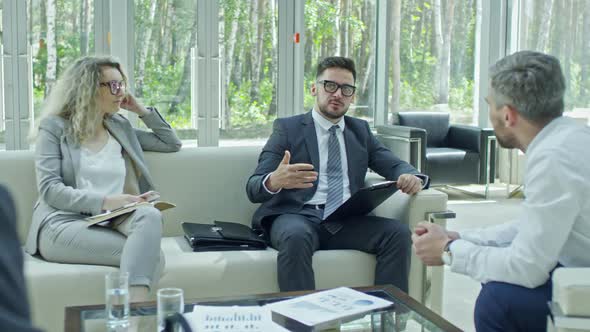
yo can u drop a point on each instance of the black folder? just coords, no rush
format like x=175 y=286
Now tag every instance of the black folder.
x=222 y=236
x=365 y=200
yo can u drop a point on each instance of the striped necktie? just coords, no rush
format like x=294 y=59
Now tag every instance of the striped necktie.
x=335 y=189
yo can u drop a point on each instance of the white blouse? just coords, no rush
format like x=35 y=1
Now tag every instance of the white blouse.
x=104 y=171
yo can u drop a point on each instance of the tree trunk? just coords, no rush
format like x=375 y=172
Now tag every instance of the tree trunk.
x=344 y=24
x=173 y=33
x=438 y=45
x=545 y=27
x=143 y=50
x=395 y=18
x=84 y=26
x=444 y=62
x=231 y=45
x=166 y=34
x=337 y=36
x=51 y=72
x=184 y=87
x=257 y=41
x=585 y=63
x=272 y=110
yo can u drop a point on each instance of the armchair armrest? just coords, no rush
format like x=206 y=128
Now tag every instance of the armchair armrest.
x=411 y=210
x=465 y=137
x=481 y=140
x=407 y=143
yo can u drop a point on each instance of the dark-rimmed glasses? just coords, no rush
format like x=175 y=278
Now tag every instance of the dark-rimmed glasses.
x=115 y=86
x=331 y=87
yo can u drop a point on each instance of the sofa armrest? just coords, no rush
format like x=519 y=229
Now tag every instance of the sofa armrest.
x=425 y=284
x=407 y=143
x=571 y=290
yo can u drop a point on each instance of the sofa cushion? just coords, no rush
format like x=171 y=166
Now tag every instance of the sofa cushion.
x=571 y=290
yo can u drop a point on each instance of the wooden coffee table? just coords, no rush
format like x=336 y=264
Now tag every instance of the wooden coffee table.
x=405 y=315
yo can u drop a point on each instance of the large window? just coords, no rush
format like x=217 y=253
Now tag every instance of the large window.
x=165 y=33
x=249 y=49
x=60 y=31
x=562 y=28
x=345 y=28
x=431 y=65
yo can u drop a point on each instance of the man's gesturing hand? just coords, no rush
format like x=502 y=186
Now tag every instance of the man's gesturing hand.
x=291 y=176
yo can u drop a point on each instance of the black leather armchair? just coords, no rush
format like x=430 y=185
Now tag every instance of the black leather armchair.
x=449 y=154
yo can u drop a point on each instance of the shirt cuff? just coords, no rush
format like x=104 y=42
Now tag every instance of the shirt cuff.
x=265 y=188
x=425 y=180
x=460 y=250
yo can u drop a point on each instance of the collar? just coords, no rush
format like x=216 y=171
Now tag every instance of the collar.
x=324 y=123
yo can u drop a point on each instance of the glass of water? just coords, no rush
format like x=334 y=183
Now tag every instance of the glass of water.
x=117 y=300
x=170 y=301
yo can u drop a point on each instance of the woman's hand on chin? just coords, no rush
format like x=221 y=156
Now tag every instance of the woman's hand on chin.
x=132 y=105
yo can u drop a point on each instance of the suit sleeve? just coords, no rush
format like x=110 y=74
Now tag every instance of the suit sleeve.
x=161 y=138
x=268 y=161
x=48 y=166
x=14 y=308
x=384 y=162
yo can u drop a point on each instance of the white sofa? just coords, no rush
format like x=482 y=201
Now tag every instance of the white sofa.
x=207 y=184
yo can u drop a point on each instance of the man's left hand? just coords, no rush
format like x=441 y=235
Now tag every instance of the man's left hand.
x=409 y=184
x=429 y=242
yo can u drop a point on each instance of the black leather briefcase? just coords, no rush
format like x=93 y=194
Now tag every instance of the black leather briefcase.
x=222 y=236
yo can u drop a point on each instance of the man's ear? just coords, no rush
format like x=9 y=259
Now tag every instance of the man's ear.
x=313 y=89
x=511 y=116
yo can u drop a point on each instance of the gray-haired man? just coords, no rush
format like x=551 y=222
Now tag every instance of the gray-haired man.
x=515 y=261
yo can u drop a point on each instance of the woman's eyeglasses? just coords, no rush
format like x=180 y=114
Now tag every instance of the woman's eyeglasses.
x=331 y=87
x=115 y=86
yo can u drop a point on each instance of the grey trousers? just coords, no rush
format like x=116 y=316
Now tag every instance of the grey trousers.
x=133 y=245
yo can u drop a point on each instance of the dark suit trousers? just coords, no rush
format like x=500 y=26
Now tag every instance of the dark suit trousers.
x=298 y=236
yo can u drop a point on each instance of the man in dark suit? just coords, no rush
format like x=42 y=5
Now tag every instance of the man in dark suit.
x=14 y=308
x=314 y=162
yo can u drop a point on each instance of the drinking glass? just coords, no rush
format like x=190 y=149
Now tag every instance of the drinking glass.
x=170 y=301
x=117 y=300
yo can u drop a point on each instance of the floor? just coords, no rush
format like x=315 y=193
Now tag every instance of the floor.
x=460 y=291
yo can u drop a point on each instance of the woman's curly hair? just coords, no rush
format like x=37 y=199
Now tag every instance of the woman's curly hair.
x=73 y=97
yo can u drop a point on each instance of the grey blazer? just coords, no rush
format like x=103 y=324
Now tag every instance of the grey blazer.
x=57 y=159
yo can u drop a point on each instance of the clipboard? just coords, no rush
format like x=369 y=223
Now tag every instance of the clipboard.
x=364 y=201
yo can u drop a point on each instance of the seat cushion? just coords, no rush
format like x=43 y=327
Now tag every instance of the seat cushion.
x=452 y=166
x=54 y=286
x=571 y=290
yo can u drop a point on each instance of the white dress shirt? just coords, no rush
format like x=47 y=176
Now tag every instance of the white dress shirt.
x=554 y=223
x=322 y=127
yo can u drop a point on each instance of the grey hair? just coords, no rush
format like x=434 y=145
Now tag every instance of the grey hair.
x=531 y=82
x=73 y=97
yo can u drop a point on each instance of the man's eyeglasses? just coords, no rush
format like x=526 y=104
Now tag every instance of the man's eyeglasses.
x=331 y=87
x=115 y=86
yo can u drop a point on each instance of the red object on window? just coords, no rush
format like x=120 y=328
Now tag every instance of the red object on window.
x=296 y=38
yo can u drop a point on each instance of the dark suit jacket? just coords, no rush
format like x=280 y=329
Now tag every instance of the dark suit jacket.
x=14 y=307
x=297 y=134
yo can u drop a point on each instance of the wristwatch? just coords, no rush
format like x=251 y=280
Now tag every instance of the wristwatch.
x=447 y=255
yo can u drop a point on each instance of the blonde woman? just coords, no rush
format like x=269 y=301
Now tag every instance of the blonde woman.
x=89 y=159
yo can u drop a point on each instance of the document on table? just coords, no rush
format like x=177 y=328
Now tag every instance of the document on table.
x=234 y=319
x=324 y=308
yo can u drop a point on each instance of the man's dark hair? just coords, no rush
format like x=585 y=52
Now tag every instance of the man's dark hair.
x=336 y=62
